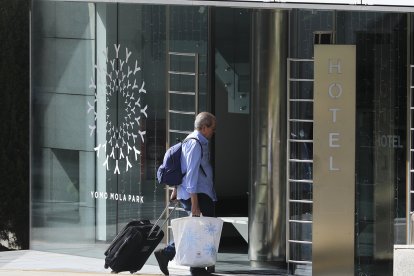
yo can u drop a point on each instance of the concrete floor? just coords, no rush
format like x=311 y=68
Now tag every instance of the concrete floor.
x=31 y=262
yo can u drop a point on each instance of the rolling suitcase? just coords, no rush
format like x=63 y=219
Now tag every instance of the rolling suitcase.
x=134 y=244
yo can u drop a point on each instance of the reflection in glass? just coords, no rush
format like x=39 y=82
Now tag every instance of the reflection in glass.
x=63 y=157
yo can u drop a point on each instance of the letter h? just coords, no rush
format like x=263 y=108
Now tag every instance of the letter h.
x=335 y=66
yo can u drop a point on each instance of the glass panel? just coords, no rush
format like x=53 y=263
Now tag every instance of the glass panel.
x=182 y=83
x=301 y=131
x=188 y=33
x=301 y=110
x=182 y=103
x=412 y=91
x=177 y=137
x=99 y=121
x=300 y=190
x=63 y=159
x=303 y=25
x=301 y=89
x=301 y=70
x=182 y=63
x=145 y=61
x=300 y=171
x=300 y=211
x=381 y=43
x=301 y=231
x=90 y=123
x=300 y=251
x=301 y=150
x=181 y=122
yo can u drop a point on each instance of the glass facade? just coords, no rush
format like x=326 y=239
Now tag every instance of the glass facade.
x=381 y=41
x=100 y=113
x=63 y=159
x=113 y=84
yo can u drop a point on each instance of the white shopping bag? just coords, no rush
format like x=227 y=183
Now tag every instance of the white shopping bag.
x=196 y=240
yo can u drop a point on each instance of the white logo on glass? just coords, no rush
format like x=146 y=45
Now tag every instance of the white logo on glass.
x=123 y=87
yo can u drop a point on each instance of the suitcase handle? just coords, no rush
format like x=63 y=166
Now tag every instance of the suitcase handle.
x=162 y=214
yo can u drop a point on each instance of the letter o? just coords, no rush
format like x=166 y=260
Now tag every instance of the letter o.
x=384 y=141
x=332 y=92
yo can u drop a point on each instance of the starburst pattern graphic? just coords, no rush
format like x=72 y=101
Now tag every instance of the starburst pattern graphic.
x=210 y=229
x=190 y=238
x=210 y=250
x=124 y=86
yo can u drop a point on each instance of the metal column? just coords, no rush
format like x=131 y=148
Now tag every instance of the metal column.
x=267 y=192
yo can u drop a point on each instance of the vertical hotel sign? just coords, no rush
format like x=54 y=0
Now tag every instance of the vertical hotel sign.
x=334 y=160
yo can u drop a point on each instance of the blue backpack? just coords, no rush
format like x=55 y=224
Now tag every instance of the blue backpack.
x=169 y=173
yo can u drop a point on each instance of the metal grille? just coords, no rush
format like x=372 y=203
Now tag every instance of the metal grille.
x=182 y=102
x=410 y=176
x=299 y=162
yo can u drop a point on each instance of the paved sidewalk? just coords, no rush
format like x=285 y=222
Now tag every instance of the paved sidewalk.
x=53 y=273
x=36 y=263
x=39 y=263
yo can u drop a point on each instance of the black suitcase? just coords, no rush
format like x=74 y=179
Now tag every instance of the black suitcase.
x=134 y=244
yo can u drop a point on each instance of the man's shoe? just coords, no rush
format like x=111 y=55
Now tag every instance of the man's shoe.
x=198 y=271
x=162 y=261
x=211 y=269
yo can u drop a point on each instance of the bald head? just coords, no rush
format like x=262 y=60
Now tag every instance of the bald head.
x=204 y=119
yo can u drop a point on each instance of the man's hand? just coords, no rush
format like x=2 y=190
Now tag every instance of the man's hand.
x=173 y=196
x=195 y=209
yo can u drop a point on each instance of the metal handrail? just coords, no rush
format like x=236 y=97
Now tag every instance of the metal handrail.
x=181 y=73
x=189 y=93
x=299 y=241
x=301 y=100
x=300 y=160
x=301 y=120
x=301 y=180
x=300 y=140
x=301 y=201
x=181 y=112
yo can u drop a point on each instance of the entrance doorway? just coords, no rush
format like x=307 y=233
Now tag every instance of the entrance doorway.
x=231 y=106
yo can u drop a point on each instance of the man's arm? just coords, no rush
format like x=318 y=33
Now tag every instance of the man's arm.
x=193 y=159
x=195 y=209
x=173 y=196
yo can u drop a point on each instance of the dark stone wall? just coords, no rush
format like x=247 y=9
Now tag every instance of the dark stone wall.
x=14 y=122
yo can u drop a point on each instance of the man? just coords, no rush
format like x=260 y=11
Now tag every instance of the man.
x=196 y=193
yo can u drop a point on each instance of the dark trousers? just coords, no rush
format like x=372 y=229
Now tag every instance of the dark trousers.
x=207 y=209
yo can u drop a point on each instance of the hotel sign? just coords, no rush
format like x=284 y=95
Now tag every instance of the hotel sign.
x=334 y=160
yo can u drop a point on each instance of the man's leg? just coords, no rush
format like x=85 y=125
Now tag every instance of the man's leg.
x=164 y=256
x=206 y=204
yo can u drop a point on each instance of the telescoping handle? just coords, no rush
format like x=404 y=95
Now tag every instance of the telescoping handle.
x=162 y=214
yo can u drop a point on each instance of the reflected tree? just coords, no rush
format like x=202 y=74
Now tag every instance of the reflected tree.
x=14 y=124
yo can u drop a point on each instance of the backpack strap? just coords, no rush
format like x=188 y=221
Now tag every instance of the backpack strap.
x=198 y=141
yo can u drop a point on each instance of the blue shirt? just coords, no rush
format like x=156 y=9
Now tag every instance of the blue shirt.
x=194 y=180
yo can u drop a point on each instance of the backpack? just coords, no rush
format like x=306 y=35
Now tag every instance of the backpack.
x=169 y=173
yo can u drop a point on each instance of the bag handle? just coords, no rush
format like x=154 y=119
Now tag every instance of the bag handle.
x=200 y=216
x=162 y=214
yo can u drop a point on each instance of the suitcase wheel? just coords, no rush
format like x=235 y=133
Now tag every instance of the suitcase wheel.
x=114 y=272
x=132 y=272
